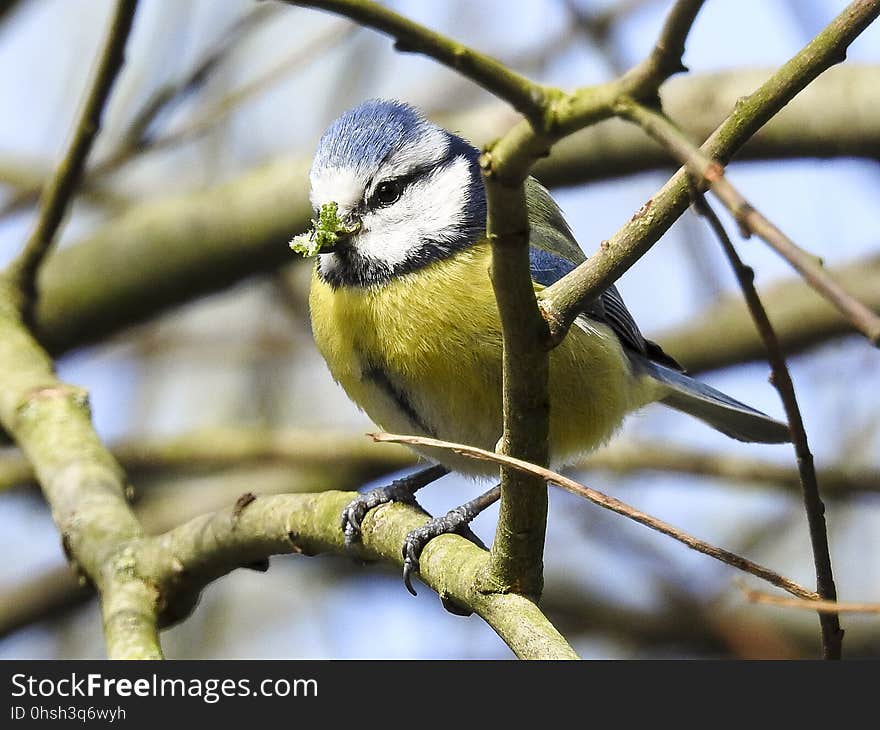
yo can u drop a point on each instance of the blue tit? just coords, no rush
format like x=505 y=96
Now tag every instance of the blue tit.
x=403 y=310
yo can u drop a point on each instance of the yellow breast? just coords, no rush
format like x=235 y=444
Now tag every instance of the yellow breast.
x=422 y=354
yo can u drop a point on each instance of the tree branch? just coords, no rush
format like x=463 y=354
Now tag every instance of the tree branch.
x=84 y=485
x=524 y=95
x=832 y=634
x=610 y=503
x=516 y=558
x=184 y=560
x=707 y=172
x=800 y=317
x=630 y=458
x=50 y=421
x=562 y=301
x=139 y=139
x=838 y=115
x=58 y=193
x=90 y=290
x=163 y=507
x=822 y=607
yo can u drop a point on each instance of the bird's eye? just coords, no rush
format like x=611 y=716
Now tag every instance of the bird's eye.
x=388 y=192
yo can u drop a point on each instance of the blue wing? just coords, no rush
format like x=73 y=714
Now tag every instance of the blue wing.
x=554 y=253
x=548 y=268
x=608 y=308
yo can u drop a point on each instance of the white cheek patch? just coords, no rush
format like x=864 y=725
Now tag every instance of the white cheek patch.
x=430 y=209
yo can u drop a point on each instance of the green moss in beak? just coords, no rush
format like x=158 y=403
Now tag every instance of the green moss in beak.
x=324 y=233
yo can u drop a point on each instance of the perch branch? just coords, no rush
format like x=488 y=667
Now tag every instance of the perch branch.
x=191 y=556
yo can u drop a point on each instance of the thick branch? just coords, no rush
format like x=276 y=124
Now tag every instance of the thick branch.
x=516 y=560
x=163 y=507
x=50 y=422
x=191 y=556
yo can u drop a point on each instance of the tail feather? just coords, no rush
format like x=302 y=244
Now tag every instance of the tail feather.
x=713 y=407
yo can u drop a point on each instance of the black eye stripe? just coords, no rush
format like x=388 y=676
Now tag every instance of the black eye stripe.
x=404 y=181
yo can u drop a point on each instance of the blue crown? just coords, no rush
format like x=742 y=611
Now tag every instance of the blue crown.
x=363 y=137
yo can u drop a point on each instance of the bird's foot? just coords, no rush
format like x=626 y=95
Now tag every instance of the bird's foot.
x=400 y=490
x=455 y=521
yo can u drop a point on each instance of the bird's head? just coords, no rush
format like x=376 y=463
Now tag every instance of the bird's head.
x=406 y=193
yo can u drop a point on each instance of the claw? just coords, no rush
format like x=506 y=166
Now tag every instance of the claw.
x=455 y=521
x=352 y=517
x=400 y=490
x=410 y=565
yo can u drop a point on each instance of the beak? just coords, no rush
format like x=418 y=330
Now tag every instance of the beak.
x=348 y=227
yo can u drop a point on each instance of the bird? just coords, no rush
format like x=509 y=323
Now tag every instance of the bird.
x=403 y=312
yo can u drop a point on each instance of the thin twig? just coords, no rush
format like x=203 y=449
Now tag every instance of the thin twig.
x=820 y=606
x=711 y=173
x=410 y=37
x=628 y=458
x=832 y=634
x=136 y=138
x=202 y=121
x=164 y=99
x=56 y=197
x=612 y=504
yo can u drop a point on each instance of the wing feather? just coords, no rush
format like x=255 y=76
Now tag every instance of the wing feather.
x=555 y=252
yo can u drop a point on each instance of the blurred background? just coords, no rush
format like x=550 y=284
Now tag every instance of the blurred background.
x=224 y=393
